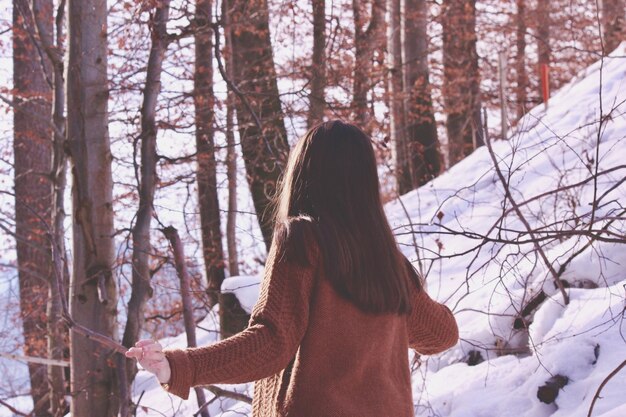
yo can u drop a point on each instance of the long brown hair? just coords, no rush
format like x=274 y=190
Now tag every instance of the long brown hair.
x=331 y=178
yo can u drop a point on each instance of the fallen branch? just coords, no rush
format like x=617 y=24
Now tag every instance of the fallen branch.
x=12 y=409
x=220 y=392
x=33 y=359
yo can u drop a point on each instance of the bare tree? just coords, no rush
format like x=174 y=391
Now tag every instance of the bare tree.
x=231 y=152
x=93 y=294
x=51 y=39
x=396 y=91
x=520 y=57
x=141 y=290
x=421 y=136
x=318 y=64
x=171 y=234
x=613 y=29
x=204 y=101
x=33 y=155
x=543 y=13
x=261 y=126
x=461 y=79
x=366 y=41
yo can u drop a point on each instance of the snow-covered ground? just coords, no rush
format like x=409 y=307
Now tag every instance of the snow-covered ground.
x=487 y=270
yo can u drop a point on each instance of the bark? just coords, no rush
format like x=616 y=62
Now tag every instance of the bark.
x=543 y=38
x=52 y=43
x=317 y=102
x=261 y=126
x=366 y=42
x=93 y=295
x=232 y=320
x=396 y=91
x=231 y=155
x=461 y=79
x=32 y=152
x=236 y=319
x=204 y=101
x=422 y=139
x=231 y=172
x=520 y=58
x=613 y=28
x=141 y=290
x=190 y=325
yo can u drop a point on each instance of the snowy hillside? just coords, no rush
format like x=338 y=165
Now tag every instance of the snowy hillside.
x=489 y=282
x=480 y=259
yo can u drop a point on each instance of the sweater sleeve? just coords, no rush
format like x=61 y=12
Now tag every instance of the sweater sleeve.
x=431 y=325
x=277 y=325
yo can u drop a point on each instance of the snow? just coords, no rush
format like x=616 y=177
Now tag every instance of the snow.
x=487 y=282
x=246 y=288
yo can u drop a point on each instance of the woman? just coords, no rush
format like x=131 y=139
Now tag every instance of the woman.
x=339 y=304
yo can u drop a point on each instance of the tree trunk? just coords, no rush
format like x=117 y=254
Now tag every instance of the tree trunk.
x=231 y=154
x=52 y=42
x=318 y=64
x=171 y=234
x=233 y=318
x=461 y=79
x=366 y=41
x=93 y=295
x=231 y=172
x=141 y=290
x=422 y=139
x=543 y=39
x=32 y=153
x=204 y=101
x=613 y=28
x=396 y=91
x=261 y=126
x=520 y=58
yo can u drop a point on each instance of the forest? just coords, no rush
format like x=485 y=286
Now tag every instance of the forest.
x=142 y=143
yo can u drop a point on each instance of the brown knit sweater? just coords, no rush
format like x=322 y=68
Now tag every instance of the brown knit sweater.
x=313 y=353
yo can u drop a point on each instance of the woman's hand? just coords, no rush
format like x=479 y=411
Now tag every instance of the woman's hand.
x=150 y=356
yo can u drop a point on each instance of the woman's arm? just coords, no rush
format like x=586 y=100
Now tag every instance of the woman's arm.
x=277 y=324
x=431 y=325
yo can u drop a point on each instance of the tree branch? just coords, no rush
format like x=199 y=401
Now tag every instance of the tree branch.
x=522 y=218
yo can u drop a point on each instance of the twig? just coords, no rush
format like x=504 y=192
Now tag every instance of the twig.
x=33 y=359
x=220 y=392
x=606 y=380
x=204 y=406
x=522 y=218
x=12 y=409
